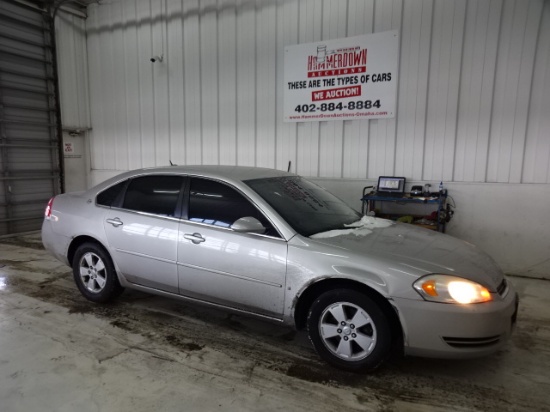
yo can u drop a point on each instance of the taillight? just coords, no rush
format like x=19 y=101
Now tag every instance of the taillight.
x=48 y=211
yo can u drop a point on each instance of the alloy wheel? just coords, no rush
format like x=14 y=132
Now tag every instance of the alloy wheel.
x=347 y=331
x=92 y=272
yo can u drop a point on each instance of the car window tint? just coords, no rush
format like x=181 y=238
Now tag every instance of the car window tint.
x=153 y=194
x=108 y=196
x=220 y=205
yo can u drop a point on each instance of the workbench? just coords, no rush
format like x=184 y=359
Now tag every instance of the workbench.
x=438 y=202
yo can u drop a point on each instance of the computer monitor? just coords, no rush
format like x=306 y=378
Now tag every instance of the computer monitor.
x=391 y=184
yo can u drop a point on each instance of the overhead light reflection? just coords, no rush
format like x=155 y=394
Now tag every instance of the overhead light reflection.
x=3 y=283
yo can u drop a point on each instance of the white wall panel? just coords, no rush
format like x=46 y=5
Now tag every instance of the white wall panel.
x=382 y=133
x=413 y=87
x=227 y=75
x=472 y=91
x=537 y=147
x=356 y=137
x=161 y=94
x=443 y=88
x=331 y=134
x=481 y=39
x=209 y=82
x=247 y=105
x=265 y=81
x=191 y=77
x=119 y=100
x=132 y=82
x=174 y=55
x=73 y=68
x=109 y=61
x=94 y=73
x=516 y=53
x=287 y=33
x=307 y=150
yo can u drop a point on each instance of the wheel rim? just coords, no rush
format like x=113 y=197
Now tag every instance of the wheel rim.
x=93 y=273
x=347 y=331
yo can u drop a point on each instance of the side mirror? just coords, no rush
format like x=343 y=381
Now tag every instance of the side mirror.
x=248 y=224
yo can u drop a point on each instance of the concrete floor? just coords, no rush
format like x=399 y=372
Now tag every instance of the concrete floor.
x=59 y=352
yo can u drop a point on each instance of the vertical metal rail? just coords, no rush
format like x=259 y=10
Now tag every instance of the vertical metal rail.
x=5 y=171
x=56 y=136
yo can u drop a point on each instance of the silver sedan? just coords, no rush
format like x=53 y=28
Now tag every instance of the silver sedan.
x=274 y=245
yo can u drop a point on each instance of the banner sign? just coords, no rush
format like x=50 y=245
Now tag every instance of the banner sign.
x=343 y=79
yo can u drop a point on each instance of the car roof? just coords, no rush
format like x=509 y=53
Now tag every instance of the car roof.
x=234 y=175
x=240 y=173
x=230 y=174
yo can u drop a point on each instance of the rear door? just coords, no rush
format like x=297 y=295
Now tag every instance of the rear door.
x=142 y=233
x=240 y=270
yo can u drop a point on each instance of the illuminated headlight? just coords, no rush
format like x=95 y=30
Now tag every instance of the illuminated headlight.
x=451 y=289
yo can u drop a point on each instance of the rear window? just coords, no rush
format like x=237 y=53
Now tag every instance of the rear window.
x=110 y=195
x=154 y=194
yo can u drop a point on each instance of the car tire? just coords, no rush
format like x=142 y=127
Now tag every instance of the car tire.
x=349 y=330
x=94 y=273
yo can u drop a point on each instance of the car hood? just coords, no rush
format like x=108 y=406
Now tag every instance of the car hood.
x=413 y=250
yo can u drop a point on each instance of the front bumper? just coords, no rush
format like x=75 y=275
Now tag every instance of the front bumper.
x=441 y=330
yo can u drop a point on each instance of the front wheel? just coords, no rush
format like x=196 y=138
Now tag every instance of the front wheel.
x=94 y=273
x=349 y=330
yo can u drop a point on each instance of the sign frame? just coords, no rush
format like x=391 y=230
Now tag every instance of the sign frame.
x=342 y=79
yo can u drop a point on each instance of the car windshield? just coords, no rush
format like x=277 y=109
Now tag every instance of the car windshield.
x=308 y=208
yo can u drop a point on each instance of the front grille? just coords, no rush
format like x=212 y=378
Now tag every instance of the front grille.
x=471 y=342
x=503 y=288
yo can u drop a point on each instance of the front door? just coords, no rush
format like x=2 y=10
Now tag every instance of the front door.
x=240 y=270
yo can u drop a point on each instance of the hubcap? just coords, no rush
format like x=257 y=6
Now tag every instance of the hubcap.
x=92 y=272
x=347 y=331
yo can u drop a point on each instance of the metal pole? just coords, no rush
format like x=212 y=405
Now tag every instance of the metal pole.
x=50 y=21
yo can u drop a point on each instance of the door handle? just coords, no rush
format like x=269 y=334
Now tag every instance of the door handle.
x=116 y=222
x=196 y=238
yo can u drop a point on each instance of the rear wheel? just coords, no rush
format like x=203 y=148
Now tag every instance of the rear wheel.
x=94 y=273
x=349 y=330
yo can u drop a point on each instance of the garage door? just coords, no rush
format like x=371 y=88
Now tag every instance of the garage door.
x=29 y=144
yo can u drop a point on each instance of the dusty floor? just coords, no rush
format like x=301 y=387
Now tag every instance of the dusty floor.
x=59 y=352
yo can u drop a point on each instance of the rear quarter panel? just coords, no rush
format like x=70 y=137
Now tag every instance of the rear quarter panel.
x=73 y=215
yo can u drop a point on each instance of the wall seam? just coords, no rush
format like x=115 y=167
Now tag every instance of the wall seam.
x=429 y=85
x=168 y=95
x=459 y=100
x=201 y=133
x=218 y=129
x=532 y=77
x=125 y=91
x=320 y=123
x=256 y=154
x=493 y=97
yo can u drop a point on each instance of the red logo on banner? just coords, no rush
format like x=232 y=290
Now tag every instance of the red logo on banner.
x=339 y=62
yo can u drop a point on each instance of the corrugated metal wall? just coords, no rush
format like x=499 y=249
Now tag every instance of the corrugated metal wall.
x=473 y=95
x=29 y=144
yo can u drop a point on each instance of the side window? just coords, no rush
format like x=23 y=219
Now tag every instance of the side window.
x=108 y=196
x=153 y=194
x=219 y=205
